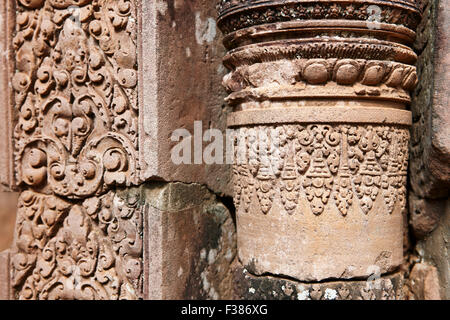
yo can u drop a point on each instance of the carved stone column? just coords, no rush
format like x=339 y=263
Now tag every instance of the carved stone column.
x=320 y=91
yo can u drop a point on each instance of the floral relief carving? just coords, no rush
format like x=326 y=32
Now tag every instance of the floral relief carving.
x=76 y=140
x=76 y=97
x=349 y=77
x=346 y=163
x=243 y=188
x=78 y=251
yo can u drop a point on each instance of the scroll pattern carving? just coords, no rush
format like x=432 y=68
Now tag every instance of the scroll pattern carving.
x=89 y=250
x=75 y=96
x=76 y=139
x=345 y=163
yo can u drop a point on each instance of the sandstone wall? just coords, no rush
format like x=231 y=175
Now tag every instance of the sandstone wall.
x=430 y=152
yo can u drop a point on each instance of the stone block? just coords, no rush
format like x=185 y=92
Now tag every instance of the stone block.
x=424 y=215
x=190 y=243
x=88 y=249
x=98 y=90
x=180 y=82
x=424 y=283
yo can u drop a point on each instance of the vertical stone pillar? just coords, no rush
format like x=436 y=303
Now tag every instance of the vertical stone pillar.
x=320 y=91
x=7 y=24
x=75 y=146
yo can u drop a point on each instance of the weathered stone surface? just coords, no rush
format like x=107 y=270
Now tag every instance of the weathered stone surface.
x=424 y=283
x=87 y=249
x=435 y=250
x=190 y=243
x=8 y=208
x=6 y=62
x=77 y=128
x=5 y=288
x=100 y=248
x=92 y=87
x=239 y=14
x=430 y=142
x=424 y=215
x=249 y=287
x=75 y=97
x=180 y=82
x=96 y=106
x=319 y=95
x=75 y=143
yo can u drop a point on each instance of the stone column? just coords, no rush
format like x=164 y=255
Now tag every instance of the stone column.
x=320 y=91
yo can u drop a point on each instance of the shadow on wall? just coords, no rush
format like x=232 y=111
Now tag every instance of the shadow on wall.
x=8 y=207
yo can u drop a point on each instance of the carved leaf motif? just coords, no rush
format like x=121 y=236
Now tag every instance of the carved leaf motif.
x=319 y=178
x=75 y=97
x=74 y=251
x=76 y=137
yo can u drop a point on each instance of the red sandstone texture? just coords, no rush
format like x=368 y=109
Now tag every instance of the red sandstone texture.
x=180 y=82
x=424 y=282
x=93 y=95
x=180 y=265
x=94 y=91
x=6 y=61
x=429 y=169
x=8 y=208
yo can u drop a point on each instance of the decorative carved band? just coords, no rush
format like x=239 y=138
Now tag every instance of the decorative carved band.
x=324 y=47
x=318 y=162
x=235 y=15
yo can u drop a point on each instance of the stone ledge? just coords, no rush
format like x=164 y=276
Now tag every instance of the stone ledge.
x=326 y=115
